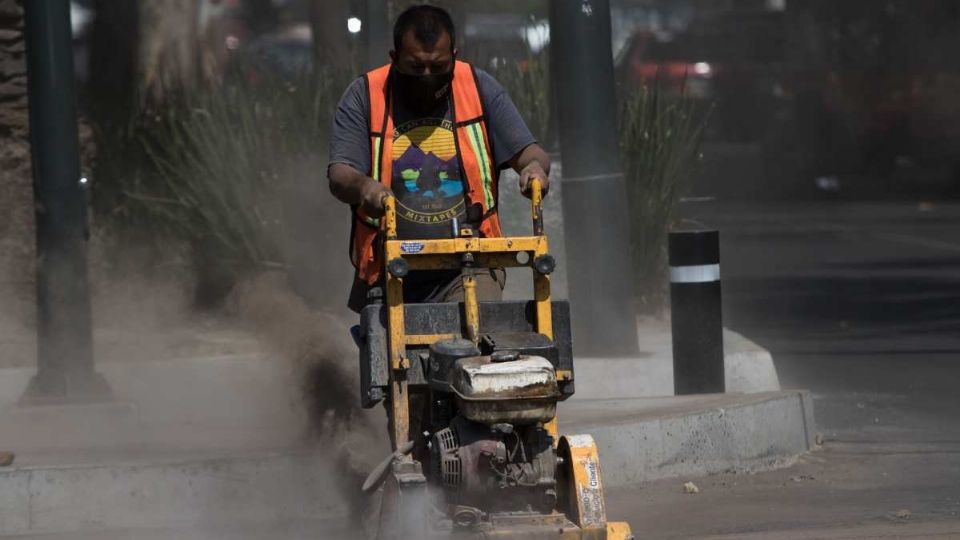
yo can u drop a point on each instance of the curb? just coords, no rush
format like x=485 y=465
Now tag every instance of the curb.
x=272 y=488
x=742 y=433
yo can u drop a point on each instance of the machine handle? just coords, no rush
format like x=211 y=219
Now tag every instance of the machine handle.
x=390 y=216
x=536 y=206
x=536 y=210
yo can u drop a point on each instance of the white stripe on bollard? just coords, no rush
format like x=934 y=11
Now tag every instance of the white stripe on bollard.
x=701 y=273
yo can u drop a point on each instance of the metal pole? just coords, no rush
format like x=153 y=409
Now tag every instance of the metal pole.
x=65 y=370
x=696 y=312
x=594 y=194
x=378 y=34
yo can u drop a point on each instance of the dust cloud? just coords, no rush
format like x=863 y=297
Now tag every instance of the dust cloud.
x=265 y=371
x=322 y=356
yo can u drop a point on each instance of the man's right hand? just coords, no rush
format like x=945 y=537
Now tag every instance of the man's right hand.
x=372 y=195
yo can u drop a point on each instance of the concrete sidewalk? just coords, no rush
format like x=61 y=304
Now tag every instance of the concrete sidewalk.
x=648 y=439
x=748 y=367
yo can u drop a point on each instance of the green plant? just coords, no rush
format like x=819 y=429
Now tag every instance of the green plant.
x=210 y=168
x=660 y=142
x=526 y=80
x=528 y=83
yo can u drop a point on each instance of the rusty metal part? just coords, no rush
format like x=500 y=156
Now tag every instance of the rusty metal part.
x=522 y=391
x=471 y=307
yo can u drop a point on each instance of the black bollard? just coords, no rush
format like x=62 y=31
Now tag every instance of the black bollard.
x=697 y=317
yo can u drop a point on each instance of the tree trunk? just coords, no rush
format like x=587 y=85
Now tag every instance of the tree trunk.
x=16 y=194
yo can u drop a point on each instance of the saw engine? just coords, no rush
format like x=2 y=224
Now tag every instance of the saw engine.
x=488 y=448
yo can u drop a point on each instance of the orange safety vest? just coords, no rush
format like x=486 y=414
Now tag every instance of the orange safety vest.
x=473 y=146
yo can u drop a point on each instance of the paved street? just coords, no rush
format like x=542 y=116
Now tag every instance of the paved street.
x=860 y=303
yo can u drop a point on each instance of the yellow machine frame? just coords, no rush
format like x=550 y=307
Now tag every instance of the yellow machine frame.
x=484 y=253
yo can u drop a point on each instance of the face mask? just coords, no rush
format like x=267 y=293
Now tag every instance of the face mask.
x=422 y=93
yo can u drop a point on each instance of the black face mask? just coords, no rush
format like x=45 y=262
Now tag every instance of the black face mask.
x=422 y=93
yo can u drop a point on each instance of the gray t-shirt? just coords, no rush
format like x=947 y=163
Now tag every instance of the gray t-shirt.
x=426 y=167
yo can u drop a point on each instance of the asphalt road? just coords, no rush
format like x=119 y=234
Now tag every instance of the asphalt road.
x=860 y=303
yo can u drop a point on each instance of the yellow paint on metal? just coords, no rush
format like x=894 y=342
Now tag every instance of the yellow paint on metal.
x=471 y=307
x=564 y=375
x=585 y=489
x=619 y=530
x=396 y=322
x=536 y=207
x=541 y=295
x=416 y=248
x=428 y=339
x=390 y=216
x=541 y=290
x=399 y=397
x=553 y=430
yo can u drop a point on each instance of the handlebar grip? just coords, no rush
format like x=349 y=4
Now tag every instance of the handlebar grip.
x=536 y=190
x=536 y=205
x=390 y=216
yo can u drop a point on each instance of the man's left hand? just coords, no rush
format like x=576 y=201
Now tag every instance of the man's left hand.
x=531 y=171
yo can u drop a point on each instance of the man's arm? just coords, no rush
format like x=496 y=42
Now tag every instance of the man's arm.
x=350 y=153
x=355 y=188
x=532 y=162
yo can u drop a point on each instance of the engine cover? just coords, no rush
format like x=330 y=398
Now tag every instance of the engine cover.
x=523 y=391
x=494 y=469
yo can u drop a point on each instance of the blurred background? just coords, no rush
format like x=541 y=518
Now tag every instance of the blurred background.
x=745 y=99
x=204 y=125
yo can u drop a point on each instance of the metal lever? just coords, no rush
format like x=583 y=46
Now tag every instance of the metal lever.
x=390 y=216
x=536 y=206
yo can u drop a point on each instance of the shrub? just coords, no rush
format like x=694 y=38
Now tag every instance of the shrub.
x=210 y=168
x=660 y=143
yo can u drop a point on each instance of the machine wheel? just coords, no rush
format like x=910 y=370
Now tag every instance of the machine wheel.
x=580 y=487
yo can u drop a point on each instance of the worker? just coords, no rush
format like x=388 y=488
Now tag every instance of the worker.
x=434 y=132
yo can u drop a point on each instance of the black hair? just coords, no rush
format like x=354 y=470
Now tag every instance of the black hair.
x=428 y=24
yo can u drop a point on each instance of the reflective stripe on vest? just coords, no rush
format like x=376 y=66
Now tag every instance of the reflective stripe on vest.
x=473 y=147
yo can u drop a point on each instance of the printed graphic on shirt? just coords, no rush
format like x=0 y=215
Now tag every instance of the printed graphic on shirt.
x=426 y=178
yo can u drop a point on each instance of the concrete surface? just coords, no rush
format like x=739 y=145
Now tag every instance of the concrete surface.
x=639 y=440
x=748 y=368
x=651 y=438
x=229 y=401
x=150 y=493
